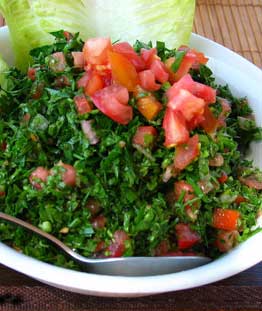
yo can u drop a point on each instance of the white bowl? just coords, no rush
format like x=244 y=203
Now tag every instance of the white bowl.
x=245 y=80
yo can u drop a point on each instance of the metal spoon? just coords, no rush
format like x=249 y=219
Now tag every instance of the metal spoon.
x=123 y=266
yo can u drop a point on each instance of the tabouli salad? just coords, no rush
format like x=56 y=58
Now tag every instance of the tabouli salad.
x=123 y=150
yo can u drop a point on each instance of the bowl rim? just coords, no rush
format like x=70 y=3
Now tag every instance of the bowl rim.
x=237 y=260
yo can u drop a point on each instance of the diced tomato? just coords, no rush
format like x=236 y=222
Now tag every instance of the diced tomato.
x=186 y=238
x=82 y=82
x=200 y=57
x=37 y=90
x=223 y=178
x=240 y=199
x=94 y=84
x=161 y=249
x=93 y=206
x=186 y=153
x=195 y=122
x=127 y=50
x=252 y=182
x=3 y=146
x=189 y=105
x=67 y=35
x=106 y=76
x=207 y=93
x=188 y=191
x=159 y=70
x=168 y=63
x=57 y=62
x=226 y=240
x=149 y=107
x=31 y=73
x=185 y=65
x=112 y=101
x=119 y=92
x=99 y=222
x=217 y=161
x=225 y=219
x=148 y=56
x=210 y=122
x=226 y=109
x=147 y=80
x=82 y=104
x=79 y=61
x=40 y=174
x=145 y=136
x=117 y=246
x=174 y=124
x=69 y=176
x=96 y=51
x=62 y=81
x=123 y=71
x=182 y=186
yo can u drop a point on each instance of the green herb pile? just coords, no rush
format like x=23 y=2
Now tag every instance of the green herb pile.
x=127 y=182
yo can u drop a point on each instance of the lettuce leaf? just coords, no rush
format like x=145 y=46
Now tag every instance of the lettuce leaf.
x=30 y=21
x=3 y=69
x=170 y=21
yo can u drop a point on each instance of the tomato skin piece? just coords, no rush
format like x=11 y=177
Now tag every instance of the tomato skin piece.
x=123 y=71
x=223 y=178
x=148 y=56
x=187 y=62
x=99 y=222
x=210 y=123
x=82 y=82
x=186 y=238
x=69 y=176
x=147 y=80
x=94 y=84
x=240 y=199
x=127 y=50
x=175 y=128
x=159 y=71
x=112 y=101
x=183 y=187
x=162 y=248
x=226 y=240
x=149 y=107
x=79 y=61
x=225 y=219
x=186 y=153
x=82 y=104
x=200 y=57
x=40 y=173
x=200 y=90
x=189 y=105
x=96 y=51
x=31 y=73
x=141 y=133
x=117 y=246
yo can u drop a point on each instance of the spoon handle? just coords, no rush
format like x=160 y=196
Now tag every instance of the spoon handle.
x=43 y=234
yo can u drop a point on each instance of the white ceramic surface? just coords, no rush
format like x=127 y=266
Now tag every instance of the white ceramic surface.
x=245 y=80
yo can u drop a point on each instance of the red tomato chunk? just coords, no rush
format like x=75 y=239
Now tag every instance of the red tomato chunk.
x=145 y=136
x=186 y=153
x=225 y=219
x=186 y=238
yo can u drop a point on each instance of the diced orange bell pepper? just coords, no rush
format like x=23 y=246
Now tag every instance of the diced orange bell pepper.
x=123 y=71
x=149 y=107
